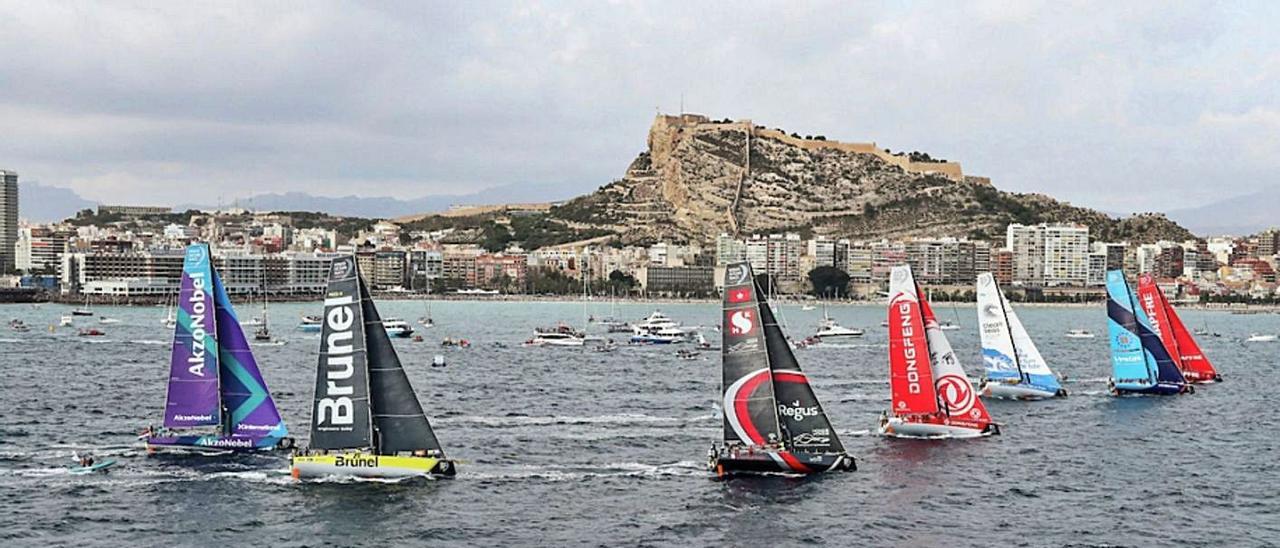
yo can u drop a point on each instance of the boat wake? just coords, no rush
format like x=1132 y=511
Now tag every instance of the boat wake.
x=560 y=473
x=527 y=420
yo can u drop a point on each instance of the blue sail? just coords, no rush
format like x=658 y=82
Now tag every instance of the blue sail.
x=1139 y=360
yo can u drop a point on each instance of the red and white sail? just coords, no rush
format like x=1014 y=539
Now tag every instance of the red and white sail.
x=910 y=373
x=1173 y=333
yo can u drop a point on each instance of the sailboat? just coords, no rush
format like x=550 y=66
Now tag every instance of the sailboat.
x=1014 y=367
x=931 y=396
x=1182 y=347
x=213 y=377
x=170 y=320
x=1139 y=360
x=366 y=420
x=773 y=422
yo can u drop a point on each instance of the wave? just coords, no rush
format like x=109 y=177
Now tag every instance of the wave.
x=559 y=473
x=149 y=342
x=527 y=420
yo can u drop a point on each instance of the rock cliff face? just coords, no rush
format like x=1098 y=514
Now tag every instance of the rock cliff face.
x=700 y=178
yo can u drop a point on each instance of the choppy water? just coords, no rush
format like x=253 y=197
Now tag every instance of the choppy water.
x=564 y=447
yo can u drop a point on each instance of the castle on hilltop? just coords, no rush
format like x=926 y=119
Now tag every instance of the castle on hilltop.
x=668 y=129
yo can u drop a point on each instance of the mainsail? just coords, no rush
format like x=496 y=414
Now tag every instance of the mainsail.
x=750 y=412
x=251 y=412
x=340 y=415
x=1138 y=356
x=193 y=364
x=1007 y=350
x=1182 y=347
x=910 y=374
x=397 y=415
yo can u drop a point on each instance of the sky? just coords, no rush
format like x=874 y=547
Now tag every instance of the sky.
x=1123 y=106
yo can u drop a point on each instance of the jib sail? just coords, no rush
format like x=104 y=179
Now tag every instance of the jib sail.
x=193 y=363
x=750 y=415
x=249 y=408
x=340 y=416
x=804 y=424
x=398 y=418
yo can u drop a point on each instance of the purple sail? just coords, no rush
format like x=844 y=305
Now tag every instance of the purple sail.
x=193 y=366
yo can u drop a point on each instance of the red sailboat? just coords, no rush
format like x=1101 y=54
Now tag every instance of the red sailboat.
x=1177 y=339
x=931 y=396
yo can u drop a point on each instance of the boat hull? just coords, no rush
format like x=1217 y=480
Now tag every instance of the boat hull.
x=366 y=465
x=1200 y=378
x=1019 y=391
x=214 y=444
x=897 y=427
x=726 y=463
x=1159 y=389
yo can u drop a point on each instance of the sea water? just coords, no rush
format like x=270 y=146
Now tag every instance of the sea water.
x=571 y=447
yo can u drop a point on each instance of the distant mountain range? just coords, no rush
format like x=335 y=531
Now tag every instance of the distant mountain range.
x=44 y=204
x=39 y=203
x=1240 y=215
x=383 y=207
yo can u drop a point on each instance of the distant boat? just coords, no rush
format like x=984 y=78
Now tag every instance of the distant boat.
x=948 y=325
x=18 y=325
x=90 y=332
x=169 y=320
x=561 y=335
x=1079 y=334
x=1258 y=337
x=107 y=321
x=1139 y=361
x=66 y=321
x=217 y=399
x=830 y=329
x=657 y=329
x=773 y=422
x=808 y=307
x=1014 y=367
x=366 y=420
x=397 y=328
x=930 y=394
x=83 y=311
x=1182 y=347
x=309 y=324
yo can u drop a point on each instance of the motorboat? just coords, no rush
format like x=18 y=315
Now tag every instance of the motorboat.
x=18 y=325
x=560 y=336
x=90 y=332
x=66 y=321
x=830 y=329
x=107 y=321
x=665 y=335
x=1079 y=334
x=1259 y=337
x=310 y=324
x=397 y=328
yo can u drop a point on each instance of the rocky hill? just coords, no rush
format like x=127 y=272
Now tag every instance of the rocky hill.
x=700 y=178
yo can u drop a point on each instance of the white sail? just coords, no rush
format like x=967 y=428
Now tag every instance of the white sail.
x=1007 y=349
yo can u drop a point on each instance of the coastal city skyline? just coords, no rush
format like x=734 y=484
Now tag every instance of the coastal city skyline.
x=1086 y=111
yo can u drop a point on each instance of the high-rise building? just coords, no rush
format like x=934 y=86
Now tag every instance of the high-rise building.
x=1049 y=254
x=8 y=220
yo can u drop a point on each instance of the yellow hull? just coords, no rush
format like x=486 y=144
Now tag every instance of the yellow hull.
x=368 y=465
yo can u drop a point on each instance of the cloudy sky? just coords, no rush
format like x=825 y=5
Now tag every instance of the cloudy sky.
x=1119 y=105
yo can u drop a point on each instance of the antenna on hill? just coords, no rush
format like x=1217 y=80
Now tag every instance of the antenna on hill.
x=682 y=103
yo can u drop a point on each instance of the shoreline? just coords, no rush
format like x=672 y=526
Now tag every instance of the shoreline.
x=393 y=296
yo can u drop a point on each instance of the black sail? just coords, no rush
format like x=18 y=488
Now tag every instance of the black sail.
x=340 y=417
x=750 y=416
x=805 y=427
x=397 y=415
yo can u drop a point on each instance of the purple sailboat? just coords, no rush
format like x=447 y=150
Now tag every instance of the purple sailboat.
x=217 y=399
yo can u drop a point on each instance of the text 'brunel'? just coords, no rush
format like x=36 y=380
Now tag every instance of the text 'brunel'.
x=336 y=407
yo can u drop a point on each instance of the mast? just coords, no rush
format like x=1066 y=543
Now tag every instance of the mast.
x=1008 y=329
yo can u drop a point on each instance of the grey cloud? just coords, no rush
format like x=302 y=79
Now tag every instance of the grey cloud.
x=190 y=102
